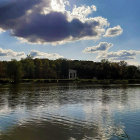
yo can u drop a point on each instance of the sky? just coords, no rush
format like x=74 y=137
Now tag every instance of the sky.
x=72 y=29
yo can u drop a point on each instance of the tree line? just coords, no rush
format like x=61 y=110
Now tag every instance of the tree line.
x=29 y=68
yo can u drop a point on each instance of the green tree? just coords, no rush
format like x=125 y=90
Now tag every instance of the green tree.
x=28 y=67
x=14 y=70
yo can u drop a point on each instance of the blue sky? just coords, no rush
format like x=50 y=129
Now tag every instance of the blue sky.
x=123 y=32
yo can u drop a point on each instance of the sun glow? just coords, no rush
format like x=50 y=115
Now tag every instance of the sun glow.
x=58 y=5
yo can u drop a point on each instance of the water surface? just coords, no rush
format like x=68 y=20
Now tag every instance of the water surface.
x=69 y=112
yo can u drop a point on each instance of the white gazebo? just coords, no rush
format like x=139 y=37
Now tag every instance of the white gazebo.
x=72 y=74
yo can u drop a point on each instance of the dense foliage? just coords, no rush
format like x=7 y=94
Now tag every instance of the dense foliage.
x=58 y=69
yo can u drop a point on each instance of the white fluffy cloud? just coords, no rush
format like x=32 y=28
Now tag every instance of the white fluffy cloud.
x=1 y=30
x=115 y=31
x=81 y=12
x=38 y=54
x=102 y=50
x=9 y=54
x=119 y=55
x=101 y=47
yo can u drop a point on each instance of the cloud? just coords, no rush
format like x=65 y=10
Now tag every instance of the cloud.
x=119 y=55
x=82 y=12
x=123 y=55
x=12 y=11
x=133 y=62
x=38 y=54
x=54 y=27
x=9 y=54
x=101 y=47
x=43 y=21
x=1 y=30
x=112 y=32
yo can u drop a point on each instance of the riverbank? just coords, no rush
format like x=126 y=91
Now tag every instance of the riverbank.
x=104 y=81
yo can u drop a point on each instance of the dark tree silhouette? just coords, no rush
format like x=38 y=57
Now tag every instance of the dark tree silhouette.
x=30 y=68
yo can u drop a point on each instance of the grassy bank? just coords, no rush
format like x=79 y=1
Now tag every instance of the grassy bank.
x=105 y=81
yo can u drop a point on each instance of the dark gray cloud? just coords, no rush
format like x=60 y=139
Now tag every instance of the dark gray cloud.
x=54 y=27
x=46 y=28
x=12 y=11
x=25 y=20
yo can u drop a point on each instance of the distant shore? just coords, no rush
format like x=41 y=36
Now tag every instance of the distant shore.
x=103 y=81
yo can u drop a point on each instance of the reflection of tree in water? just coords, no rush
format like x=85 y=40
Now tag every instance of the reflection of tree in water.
x=31 y=95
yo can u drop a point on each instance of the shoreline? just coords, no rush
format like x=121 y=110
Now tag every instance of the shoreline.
x=93 y=81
